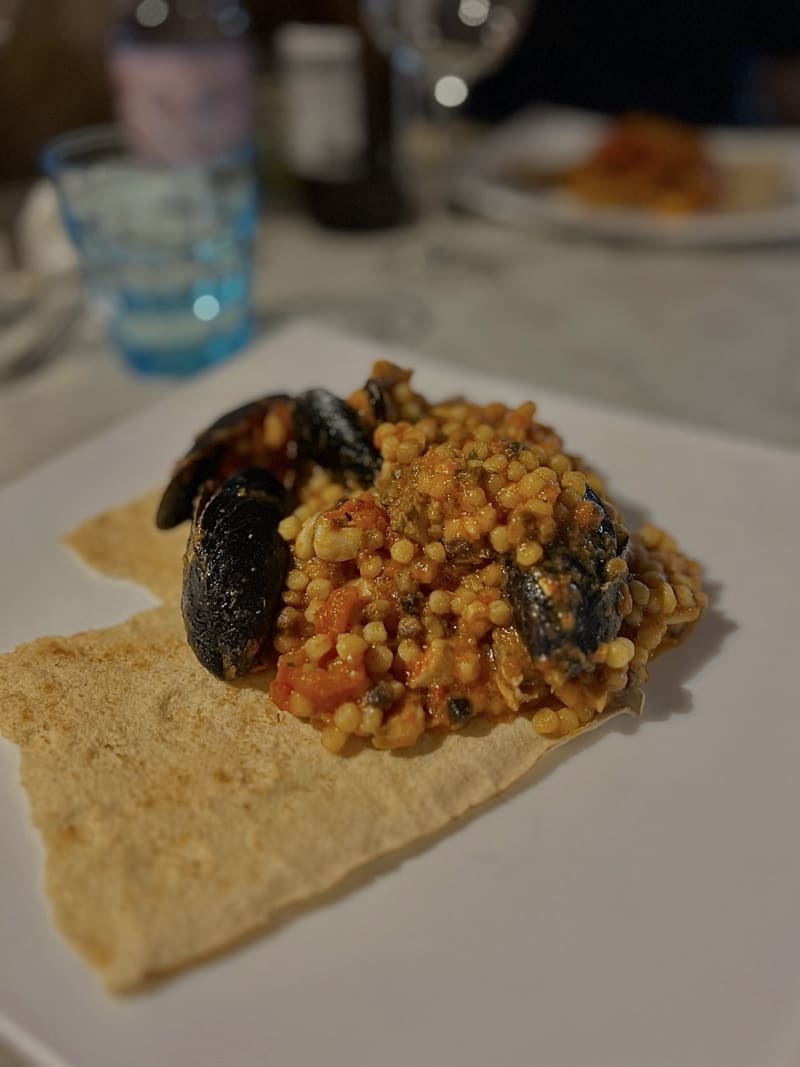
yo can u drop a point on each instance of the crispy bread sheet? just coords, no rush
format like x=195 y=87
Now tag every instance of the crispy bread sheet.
x=180 y=813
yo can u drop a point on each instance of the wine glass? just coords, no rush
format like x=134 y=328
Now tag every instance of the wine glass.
x=438 y=50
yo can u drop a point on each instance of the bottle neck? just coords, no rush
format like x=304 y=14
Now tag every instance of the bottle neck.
x=181 y=97
x=178 y=22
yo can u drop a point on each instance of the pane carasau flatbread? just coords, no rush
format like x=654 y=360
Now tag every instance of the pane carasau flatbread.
x=181 y=813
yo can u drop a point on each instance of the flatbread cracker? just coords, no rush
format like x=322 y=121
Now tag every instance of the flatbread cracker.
x=181 y=813
x=125 y=543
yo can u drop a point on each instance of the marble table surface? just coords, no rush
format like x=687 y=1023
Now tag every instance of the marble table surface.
x=705 y=337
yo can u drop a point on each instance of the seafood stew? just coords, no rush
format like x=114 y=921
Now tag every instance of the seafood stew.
x=406 y=566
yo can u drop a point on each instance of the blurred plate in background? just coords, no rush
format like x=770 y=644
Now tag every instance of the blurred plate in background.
x=510 y=177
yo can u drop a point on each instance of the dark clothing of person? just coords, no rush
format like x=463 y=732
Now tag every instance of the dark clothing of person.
x=691 y=59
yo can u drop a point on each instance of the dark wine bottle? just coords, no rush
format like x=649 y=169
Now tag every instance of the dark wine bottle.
x=342 y=139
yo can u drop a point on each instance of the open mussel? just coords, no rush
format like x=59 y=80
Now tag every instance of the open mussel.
x=318 y=427
x=566 y=606
x=234 y=569
x=234 y=482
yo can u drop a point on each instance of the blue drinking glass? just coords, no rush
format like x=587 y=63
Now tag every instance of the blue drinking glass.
x=166 y=252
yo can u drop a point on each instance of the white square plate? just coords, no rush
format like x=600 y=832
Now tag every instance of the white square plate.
x=549 y=139
x=633 y=902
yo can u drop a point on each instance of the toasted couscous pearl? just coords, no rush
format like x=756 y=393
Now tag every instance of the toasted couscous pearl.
x=569 y=499
x=333 y=739
x=473 y=583
x=300 y=706
x=546 y=722
x=486 y=519
x=378 y=659
x=373 y=540
x=560 y=463
x=684 y=596
x=350 y=648
x=319 y=588
x=285 y=643
x=408 y=451
x=640 y=657
x=475 y=497
x=528 y=553
x=668 y=599
x=408 y=626
x=377 y=610
x=389 y=446
x=440 y=602
x=500 y=613
x=287 y=618
x=296 y=580
x=457 y=605
x=404 y=581
x=436 y=551
x=365 y=590
x=574 y=480
x=568 y=720
x=495 y=464
x=499 y=539
x=475 y=610
x=370 y=566
x=452 y=530
x=492 y=576
x=507 y=497
x=530 y=485
x=375 y=633
x=517 y=530
x=424 y=570
x=304 y=541
x=347 y=717
x=468 y=668
x=547 y=530
x=650 y=535
x=318 y=646
x=438 y=487
x=620 y=652
x=371 y=720
x=617 y=679
x=616 y=568
x=536 y=506
x=471 y=528
x=289 y=527
x=409 y=651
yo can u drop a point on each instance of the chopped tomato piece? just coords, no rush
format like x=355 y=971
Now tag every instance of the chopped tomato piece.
x=325 y=687
x=362 y=512
x=339 y=611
